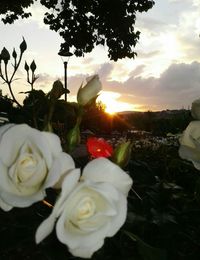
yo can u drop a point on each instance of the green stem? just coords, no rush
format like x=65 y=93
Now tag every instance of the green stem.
x=9 y=81
x=9 y=85
x=12 y=94
x=6 y=72
x=50 y=114
x=17 y=66
x=32 y=81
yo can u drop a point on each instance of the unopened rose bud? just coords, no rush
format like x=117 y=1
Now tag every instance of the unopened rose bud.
x=195 y=111
x=5 y=55
x=33 y=66
x=122 y=154
x=57 y=90
x=88 y=92
x=73 y=138
x=26 y=67
x=14 y=54
x=23 y=46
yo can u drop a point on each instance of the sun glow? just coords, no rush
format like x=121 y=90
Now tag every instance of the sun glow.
x=170 y=46
x=109 y=99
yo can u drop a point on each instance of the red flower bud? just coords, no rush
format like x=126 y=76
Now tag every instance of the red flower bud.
x=98 y=147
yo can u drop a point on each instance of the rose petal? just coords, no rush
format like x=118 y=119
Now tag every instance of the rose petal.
x=89 y=91
x=120 y=218
x=87 y=251
x=47 y=225
x=45 y=228
x=190 y=144
x=5 y=206
x=191 y=134
x=190 y=154
x=61 y=165
x=11 y=195
x=20 y=201
x=53 y=143
x=39 y=139
x=17 y=135
x=47 y=143
x=68 y=185
x=103 y=170
x=9 y=192
x=4 y=128
x=74 y=239
x=6 y=185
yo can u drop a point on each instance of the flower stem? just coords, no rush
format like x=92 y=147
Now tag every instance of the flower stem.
x=47 y=203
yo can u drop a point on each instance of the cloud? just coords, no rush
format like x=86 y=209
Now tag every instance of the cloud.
x=105 y=70
x=196 y=3
x=45 y=82
x=150 y=24
x=37 y=10
x=176 y=87
x=181 y=76
x=146 y=55
x=137 y=71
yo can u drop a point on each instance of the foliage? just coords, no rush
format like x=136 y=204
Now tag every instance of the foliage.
x=11 y=11
x=97 y=120
x=85 y=24
x=6 y=104
x=160 y=123
x=167 y=215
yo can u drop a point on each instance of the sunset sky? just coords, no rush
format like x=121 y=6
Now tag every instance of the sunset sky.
x=164 y=75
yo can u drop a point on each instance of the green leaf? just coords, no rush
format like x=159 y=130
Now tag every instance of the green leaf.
x=146 y=251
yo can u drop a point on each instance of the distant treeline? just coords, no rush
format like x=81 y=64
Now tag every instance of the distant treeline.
x=159 y=123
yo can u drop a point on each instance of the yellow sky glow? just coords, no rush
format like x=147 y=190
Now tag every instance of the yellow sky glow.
x=113 y=105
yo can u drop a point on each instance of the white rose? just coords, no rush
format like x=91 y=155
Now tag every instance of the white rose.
x=103 y=170
x=195 y=110
x=30 y=162
x=89 y=210
x=190 y=144
x=89 y=91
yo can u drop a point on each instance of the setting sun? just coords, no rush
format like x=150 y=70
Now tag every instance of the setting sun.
x=110 y=111
x=109 y=99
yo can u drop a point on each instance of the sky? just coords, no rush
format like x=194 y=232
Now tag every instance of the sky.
x=164 y=75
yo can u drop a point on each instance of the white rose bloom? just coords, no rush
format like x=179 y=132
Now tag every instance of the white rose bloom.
x=30 y=162
x=103 y=170
x=190 y=144
x=88 y=211
x=195 y=110
x=89 y=91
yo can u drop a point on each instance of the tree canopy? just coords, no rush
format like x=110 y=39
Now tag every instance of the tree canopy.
x=86 y=24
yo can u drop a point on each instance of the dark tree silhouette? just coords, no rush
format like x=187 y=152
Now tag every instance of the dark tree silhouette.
x=85 y=24
x=12 y=10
